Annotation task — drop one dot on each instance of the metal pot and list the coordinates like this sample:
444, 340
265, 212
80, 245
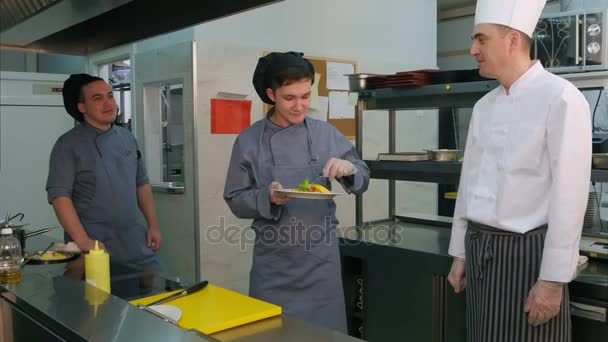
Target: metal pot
21, 234
357, 82
443, 154
600, 160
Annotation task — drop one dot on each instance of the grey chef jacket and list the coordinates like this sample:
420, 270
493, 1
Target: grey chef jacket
296, 257
100, 171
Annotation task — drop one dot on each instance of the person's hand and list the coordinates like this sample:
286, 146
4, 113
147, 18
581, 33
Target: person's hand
86, 245
337, 168
154, 239
543, 302
275, 197
457, 275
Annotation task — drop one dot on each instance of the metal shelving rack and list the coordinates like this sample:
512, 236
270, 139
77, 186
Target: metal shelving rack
441, 96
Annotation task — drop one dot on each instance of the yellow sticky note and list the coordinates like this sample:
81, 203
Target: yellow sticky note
314, 93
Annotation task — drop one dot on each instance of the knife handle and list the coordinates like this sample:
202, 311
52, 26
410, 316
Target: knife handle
196, 287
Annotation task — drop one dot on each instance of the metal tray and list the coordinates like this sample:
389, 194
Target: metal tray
403, 156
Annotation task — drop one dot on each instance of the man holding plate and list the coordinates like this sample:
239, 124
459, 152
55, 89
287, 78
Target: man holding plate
296, 257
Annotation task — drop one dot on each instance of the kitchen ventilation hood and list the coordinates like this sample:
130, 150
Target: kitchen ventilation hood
82, 27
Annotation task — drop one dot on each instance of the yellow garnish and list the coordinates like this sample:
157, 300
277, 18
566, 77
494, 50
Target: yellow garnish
319, 188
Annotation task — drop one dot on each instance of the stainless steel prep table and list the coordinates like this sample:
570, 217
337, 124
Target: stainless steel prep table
52, 302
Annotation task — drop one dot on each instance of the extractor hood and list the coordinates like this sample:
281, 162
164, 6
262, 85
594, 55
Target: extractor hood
82, 27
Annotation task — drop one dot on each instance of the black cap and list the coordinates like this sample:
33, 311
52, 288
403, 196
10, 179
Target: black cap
71, 93
272, 64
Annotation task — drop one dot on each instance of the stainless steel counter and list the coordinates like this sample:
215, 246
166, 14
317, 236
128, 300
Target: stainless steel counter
435, 240
56, 297
403, 235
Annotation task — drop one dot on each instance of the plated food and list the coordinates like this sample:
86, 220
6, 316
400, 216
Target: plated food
307, 190
50, 257
307, 186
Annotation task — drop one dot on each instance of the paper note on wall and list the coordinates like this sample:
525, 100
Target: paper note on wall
314, 93
335, 75
339, 108
320, 113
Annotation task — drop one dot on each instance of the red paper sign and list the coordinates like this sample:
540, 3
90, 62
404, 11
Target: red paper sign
230, 116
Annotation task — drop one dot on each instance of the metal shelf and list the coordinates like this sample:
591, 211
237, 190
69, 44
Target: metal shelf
455, 95
461, 95
434, 172
417, 171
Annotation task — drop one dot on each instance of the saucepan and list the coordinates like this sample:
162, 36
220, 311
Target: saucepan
443, 154
21, 234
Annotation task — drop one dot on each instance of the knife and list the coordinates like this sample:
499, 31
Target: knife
192, 289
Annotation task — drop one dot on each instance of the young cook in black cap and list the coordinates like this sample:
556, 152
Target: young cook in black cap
296, 262
97, 182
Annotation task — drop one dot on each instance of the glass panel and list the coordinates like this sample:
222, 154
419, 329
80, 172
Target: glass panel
598, 104
596, 215
172, 125
554, 41
164, 127
462, 119
118, 75
416, 131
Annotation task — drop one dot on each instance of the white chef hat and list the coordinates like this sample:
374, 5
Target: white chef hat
521, 15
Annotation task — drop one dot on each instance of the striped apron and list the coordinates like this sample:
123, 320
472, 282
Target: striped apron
501, 268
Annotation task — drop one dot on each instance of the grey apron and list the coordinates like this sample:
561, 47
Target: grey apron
296, 260
112, 215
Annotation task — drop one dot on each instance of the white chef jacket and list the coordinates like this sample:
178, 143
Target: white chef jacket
527, 163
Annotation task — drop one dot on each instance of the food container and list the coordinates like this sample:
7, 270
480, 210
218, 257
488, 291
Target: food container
443, 155
600, 160
358, 82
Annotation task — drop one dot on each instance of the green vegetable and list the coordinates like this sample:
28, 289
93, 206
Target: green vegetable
304, 186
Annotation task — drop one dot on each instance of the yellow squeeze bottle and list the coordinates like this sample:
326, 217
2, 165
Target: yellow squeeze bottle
97, 268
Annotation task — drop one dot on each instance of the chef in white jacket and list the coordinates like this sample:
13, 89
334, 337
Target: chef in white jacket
524, 186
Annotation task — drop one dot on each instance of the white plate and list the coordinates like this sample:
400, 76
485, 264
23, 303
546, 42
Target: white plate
292, 193
170, 311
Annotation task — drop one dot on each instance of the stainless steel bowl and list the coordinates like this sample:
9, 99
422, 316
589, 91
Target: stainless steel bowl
600, 160
358, 82
443, 155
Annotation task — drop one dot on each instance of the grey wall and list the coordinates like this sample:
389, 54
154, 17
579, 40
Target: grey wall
12, 60
49, 63
61, 64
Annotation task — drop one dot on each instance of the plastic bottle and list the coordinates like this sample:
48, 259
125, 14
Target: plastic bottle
97, 268
10, 257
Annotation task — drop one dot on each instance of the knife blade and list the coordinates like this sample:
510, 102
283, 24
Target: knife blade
192, 289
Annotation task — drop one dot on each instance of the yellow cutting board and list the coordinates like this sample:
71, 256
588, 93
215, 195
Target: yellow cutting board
214, 309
